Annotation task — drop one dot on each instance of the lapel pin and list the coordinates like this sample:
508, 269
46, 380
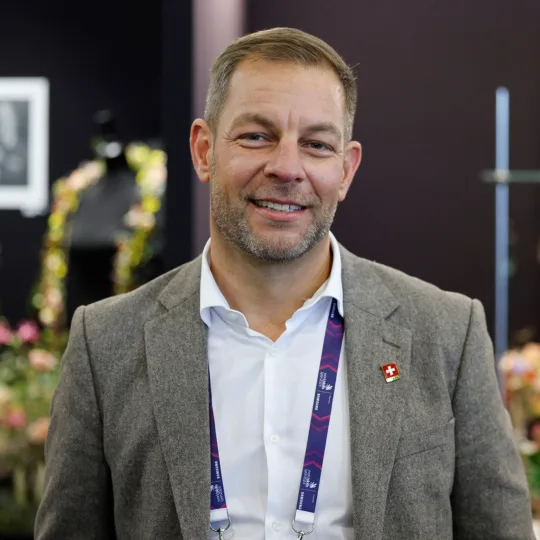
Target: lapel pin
390, 372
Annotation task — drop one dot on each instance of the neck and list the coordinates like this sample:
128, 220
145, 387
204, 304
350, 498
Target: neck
268, 294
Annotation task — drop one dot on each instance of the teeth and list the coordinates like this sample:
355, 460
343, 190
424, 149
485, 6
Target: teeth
280, 207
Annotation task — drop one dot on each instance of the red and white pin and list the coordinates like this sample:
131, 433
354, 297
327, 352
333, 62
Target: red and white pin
390, 372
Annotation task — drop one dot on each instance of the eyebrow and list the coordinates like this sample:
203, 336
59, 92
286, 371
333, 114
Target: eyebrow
256, 118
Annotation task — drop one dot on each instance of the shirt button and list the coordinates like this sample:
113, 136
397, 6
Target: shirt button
274, 439
272, 353
276, 526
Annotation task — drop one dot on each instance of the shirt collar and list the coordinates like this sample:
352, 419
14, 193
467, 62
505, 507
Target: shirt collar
211, 296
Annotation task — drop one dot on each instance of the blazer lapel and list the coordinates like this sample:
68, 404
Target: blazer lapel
372, 339
176, 351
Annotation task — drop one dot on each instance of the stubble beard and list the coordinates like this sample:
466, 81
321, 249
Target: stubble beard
230, 218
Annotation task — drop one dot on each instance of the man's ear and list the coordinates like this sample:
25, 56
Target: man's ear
351, 161
200, 143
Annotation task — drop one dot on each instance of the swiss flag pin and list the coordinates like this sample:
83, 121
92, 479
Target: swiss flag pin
390, 372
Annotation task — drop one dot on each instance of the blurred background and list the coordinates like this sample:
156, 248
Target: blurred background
97, 192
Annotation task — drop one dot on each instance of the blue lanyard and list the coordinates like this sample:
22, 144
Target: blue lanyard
310, 480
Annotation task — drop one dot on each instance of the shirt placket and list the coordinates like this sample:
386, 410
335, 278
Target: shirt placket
275, 527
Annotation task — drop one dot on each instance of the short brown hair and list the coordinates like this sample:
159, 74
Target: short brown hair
278, 45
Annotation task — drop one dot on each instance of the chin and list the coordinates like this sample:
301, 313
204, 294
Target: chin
269, 248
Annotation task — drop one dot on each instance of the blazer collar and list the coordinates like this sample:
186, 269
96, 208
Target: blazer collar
362, 286
183, 285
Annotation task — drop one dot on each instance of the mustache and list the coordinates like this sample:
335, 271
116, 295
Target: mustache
282, 192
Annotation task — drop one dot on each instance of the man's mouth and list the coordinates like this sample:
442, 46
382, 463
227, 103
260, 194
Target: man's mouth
277, 206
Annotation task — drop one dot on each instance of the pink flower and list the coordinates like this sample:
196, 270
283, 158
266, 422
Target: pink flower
37, 431
16, 419
41, 360
28, 332
6, 335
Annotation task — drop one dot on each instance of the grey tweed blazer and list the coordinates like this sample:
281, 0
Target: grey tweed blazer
433, 456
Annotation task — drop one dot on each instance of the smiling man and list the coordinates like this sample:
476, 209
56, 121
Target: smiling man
278, 386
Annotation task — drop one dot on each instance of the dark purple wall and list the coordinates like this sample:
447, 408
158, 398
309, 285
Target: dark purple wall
427, 75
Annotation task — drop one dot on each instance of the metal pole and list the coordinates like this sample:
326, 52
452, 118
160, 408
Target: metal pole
502, 223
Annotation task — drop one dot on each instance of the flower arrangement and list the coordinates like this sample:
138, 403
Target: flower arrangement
520, 370
29, 366
30, 354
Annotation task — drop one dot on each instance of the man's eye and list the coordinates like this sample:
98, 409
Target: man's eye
255, 137
321, 147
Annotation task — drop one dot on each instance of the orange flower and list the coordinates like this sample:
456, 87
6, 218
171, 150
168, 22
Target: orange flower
37, 431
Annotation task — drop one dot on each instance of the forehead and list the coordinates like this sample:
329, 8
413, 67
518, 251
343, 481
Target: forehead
285, 91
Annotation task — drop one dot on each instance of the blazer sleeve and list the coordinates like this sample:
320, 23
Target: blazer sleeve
77, 498
490, 497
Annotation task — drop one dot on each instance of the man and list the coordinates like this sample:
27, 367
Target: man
223, 396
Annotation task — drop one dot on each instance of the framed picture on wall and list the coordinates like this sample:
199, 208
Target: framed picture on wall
24, 144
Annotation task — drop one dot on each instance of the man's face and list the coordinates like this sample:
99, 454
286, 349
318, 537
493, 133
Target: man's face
278, 165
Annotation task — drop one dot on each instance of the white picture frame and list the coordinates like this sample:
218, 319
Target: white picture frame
24, 144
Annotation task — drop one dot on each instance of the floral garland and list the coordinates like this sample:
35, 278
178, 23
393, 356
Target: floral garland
132, 245
49, 298
133, 248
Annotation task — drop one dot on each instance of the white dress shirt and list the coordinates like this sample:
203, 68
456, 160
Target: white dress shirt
262, 393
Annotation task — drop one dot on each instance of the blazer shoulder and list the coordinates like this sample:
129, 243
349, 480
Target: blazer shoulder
430, 312
132, 310
421, 293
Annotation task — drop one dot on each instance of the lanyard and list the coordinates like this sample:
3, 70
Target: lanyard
316, 444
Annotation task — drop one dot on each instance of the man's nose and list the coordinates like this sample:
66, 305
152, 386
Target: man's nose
285, 162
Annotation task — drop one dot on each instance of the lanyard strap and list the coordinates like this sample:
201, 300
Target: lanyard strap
316, 444
320, 419
218, 503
